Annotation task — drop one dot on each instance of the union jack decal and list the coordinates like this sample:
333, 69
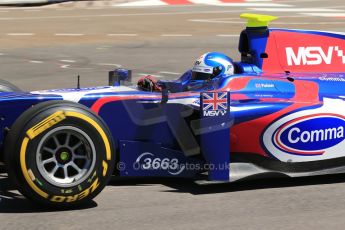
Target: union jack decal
215, 101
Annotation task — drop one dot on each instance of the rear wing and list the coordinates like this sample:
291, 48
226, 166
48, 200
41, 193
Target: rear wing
285, 50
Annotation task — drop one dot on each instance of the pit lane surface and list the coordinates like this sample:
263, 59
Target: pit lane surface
47, 47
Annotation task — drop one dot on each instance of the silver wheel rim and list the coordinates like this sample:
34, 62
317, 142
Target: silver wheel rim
65, 156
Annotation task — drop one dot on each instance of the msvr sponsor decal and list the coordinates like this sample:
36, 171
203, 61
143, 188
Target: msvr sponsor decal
215, 104
313, 55
214, 113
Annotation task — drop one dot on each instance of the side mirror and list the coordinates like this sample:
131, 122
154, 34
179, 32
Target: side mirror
263, 55
118, 77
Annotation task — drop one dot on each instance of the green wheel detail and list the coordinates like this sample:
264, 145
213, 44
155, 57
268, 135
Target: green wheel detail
64, 156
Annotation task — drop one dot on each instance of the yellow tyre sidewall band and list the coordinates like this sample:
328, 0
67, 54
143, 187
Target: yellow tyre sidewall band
67, 114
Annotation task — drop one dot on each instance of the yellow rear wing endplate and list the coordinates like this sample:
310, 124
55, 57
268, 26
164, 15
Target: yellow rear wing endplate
258, 20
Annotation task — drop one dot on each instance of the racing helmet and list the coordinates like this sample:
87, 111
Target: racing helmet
211, 65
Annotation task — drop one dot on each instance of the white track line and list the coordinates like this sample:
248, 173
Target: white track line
109, 64
65, 66
334, 15
149, 74
168, 72
68, 61
20, 34
69, 34
36, 62
296, 9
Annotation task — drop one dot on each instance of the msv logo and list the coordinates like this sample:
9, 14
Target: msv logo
313, 55
310, 135
214, 104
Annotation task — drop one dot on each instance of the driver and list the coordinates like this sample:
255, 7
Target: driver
209, 67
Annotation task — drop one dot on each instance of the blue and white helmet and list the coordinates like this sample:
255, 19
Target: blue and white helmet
211, 65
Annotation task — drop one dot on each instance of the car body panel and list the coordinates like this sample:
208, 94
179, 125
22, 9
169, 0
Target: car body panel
282, 113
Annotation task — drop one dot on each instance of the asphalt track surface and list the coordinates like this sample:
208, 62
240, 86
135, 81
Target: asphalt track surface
48, 47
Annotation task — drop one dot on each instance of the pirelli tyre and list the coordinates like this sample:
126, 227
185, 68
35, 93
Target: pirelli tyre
59, 154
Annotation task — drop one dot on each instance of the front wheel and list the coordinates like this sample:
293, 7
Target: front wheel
59, 154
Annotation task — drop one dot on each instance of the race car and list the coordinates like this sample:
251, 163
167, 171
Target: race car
282, 113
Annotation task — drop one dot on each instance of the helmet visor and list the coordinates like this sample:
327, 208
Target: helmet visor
201, 76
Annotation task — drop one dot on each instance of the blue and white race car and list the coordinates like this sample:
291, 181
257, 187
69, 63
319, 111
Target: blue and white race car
280, 111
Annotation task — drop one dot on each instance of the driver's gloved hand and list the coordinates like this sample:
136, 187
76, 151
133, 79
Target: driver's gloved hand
148, 83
